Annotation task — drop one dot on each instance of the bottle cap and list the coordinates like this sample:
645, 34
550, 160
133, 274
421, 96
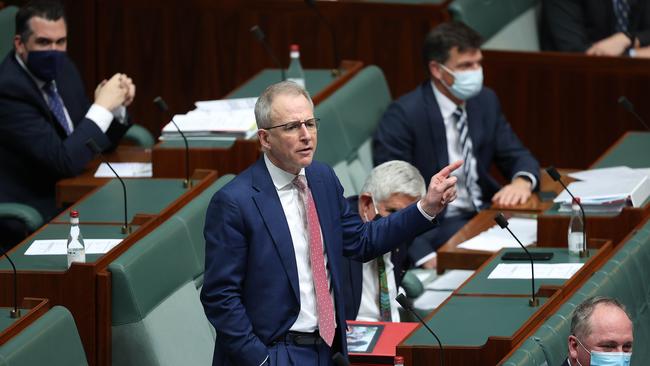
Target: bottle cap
294, 48
74, 214
576, 201
399, 359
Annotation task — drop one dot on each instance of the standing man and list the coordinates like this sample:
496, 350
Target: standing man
450, 117
370, 288
601, 334
274, 238
45, 117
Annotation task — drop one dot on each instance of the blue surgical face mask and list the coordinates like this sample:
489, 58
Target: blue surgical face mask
466, 83
607, 358
45, 64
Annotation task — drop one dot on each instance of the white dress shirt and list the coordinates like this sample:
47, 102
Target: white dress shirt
369, 307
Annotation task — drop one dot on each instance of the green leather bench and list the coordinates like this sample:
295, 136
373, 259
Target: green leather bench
623, 277
157, 317
7, 29
348, 119
50, 340
504, 24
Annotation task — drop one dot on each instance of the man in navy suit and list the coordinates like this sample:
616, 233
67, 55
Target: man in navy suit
601, 334
449, 117
274, 238
45, 117
370, 288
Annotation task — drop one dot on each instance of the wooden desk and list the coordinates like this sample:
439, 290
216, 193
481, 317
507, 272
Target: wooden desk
85, 288
31, 309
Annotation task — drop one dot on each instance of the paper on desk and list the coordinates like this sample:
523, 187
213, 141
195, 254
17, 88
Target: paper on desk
125, 170
449, 281
59, 246
431, 299
605, 173
542, 270
221, 105
495, 238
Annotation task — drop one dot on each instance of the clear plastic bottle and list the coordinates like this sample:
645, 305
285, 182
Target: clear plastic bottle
399, 361
295, 72
76, 247
576, 229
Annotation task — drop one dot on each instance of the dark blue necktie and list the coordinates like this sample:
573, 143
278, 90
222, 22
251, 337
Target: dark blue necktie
622, 11
56, 105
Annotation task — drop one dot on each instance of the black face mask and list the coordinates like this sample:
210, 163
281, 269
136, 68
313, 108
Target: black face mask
377, 217
45, 64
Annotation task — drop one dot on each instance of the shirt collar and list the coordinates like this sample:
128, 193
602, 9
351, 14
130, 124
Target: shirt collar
39, 83
446, 105
281, 179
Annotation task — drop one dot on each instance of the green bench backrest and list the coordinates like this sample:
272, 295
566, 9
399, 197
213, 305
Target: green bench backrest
7, 29
51, 340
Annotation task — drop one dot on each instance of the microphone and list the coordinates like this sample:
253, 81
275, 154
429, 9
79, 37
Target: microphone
337, 59
126, 228
15, 313
261, 37
503, 223
558, 178
404, 302
340, 360
160, 103
623, 101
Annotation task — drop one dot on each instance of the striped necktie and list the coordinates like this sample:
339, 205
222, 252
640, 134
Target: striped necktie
56, 105
460, 116
324, 303
622, 12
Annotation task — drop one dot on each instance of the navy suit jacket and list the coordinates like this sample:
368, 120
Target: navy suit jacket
34, 150
251, 293
413, 130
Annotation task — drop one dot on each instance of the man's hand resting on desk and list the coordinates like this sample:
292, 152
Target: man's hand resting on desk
515, 193
611, 46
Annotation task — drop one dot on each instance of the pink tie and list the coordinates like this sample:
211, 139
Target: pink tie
324, 304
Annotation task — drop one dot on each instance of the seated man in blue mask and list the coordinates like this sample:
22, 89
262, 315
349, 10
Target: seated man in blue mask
45, 116
452, 116
601, 334
370, 288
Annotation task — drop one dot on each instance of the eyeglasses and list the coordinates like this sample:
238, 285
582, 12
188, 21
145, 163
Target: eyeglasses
294, 126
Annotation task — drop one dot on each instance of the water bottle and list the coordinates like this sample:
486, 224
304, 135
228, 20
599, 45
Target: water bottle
576, 229
399, 361
76, 247
295, 72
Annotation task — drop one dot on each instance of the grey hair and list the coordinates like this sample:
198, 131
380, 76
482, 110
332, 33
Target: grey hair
392, 177
264, 104
580, 324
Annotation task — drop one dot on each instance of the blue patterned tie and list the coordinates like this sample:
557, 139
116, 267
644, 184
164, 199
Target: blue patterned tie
56, 105
466, 150
622, 11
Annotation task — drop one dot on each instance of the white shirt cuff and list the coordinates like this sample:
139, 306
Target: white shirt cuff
101, 116
532, 178
426, 215
426, 258
263, 362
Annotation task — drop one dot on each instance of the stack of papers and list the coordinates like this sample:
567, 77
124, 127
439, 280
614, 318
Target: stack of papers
607, 189
125, 170
215, 118
495, 238
542, 270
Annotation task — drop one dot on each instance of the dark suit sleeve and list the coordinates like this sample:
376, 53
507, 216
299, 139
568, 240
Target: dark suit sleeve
26, 131
565, 25
225, 267
393, 139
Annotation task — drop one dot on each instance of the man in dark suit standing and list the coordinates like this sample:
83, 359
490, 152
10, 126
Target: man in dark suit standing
449, 117
45, 116
601, 334
274, 238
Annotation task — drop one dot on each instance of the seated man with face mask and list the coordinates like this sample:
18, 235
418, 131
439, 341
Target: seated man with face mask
370, 288
452, 116
601, 334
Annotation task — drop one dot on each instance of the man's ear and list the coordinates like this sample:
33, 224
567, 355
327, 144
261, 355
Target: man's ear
573, 347
366, 207
263, 136
435, 70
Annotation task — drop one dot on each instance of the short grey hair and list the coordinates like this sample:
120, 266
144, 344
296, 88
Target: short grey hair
580, 324
264, 104
392, 177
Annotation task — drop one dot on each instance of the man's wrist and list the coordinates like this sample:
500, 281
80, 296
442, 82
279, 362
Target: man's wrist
424, 213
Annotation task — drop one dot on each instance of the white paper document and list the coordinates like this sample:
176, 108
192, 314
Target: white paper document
449, 281
431, 299
221, 105
495, 238
606, 173
125, 170
634, 188
60, 246
542, 270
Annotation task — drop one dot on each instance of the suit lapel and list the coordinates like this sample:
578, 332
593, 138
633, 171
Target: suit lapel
268, 203
435, 125
474, 118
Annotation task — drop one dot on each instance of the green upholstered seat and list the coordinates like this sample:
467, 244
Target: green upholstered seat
139, 136
21, 212
503, 24
157, 317
50, 340
7, 29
